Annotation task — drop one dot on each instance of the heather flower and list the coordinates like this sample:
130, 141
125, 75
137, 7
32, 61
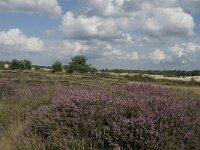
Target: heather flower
125, 116
7, 88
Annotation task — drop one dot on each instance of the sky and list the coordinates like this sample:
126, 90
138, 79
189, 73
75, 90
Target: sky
113, 34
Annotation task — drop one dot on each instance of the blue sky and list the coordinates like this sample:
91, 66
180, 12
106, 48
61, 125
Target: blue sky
126, 34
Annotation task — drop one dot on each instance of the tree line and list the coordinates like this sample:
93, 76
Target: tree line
78, 64
16, 64
170, 73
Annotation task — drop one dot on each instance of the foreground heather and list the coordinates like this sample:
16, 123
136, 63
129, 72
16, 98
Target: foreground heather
125, 117
7, 89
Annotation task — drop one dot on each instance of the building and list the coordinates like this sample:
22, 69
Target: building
6, 66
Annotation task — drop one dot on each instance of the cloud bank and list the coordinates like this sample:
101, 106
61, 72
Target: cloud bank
15, 38
49, 7
158, 33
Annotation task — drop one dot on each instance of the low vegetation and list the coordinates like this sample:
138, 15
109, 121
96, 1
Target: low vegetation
7, 89
127, 117
88, 112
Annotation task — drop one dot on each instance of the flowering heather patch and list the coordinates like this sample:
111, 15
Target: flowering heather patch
127, 116
7, 88
37, 90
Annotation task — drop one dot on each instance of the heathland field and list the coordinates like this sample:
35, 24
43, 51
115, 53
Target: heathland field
41, 110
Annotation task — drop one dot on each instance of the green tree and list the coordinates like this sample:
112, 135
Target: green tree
78, 64
27, 64
1, 64
20, 64
57, 67
16, 64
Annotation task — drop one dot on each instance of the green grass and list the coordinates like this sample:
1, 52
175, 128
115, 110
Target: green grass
3, 114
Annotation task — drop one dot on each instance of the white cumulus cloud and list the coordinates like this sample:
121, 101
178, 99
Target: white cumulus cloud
115, 53
185, 49
104, 7
85, 28
50, 7
166, 21
158, 17
16, 38
158, 56
71, 48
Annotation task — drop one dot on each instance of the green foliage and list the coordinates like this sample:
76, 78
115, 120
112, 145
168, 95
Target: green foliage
21, 64
27, 64
57, 67
78, 64
1, 64
93, 70
79, 60
3, 115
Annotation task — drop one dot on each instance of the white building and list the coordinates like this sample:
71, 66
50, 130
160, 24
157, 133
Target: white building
6, 66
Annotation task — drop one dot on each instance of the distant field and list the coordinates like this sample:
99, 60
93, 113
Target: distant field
188, 78
41, 110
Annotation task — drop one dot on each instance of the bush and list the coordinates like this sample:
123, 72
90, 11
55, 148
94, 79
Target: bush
127, 117
140, 77
105, 75
78, 65
57, 67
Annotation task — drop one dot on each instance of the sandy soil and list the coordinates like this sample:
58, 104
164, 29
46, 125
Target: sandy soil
197, 78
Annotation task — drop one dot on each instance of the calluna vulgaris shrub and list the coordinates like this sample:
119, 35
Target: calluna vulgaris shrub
127, 117
7, 88
37, 90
